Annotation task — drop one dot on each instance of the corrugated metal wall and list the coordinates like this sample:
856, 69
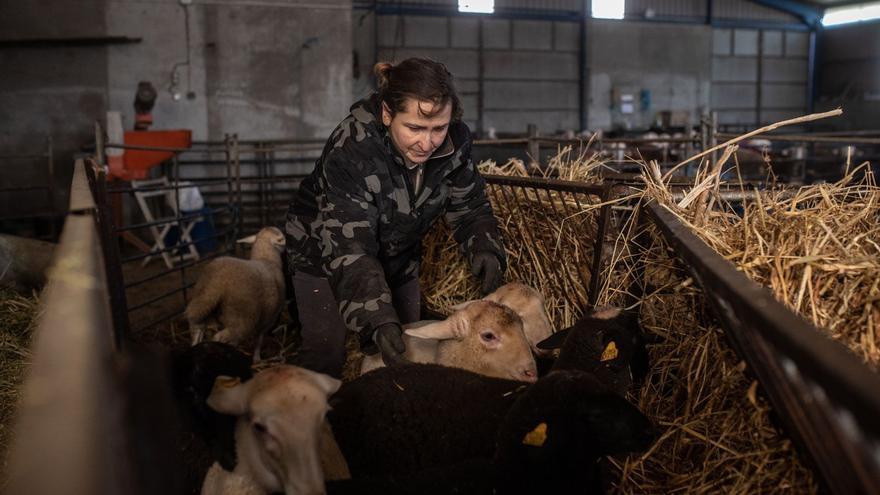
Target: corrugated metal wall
529, 68
759, 76
745, 10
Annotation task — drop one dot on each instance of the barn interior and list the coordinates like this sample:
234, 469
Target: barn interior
708, 165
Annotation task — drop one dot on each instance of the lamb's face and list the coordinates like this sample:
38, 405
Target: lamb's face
528, 303
483, 337
280, 412
274, 236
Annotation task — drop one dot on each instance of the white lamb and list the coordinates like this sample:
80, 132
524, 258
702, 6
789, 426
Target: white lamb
244, 296
481, 336
282, 441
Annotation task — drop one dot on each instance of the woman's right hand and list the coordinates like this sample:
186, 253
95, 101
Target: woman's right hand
389, 338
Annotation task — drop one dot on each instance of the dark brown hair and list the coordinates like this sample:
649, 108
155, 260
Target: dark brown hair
418, 78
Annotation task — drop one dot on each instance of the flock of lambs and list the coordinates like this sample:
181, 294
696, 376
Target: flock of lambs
472, 415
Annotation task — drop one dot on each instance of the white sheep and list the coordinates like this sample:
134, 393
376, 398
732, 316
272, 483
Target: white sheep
282, 441
244, 296
481, 336
528, 303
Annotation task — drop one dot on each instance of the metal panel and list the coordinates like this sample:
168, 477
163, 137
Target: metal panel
70, 430
745, 42
744, 9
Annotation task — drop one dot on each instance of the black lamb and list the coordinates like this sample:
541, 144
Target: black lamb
432, 429
610, 344
193, 373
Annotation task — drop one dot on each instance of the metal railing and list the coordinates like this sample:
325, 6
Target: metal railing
563, 201
269, 173
47, 189
145, 296
827, 400
69, 436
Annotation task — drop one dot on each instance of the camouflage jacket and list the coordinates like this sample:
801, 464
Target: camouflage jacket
356, 222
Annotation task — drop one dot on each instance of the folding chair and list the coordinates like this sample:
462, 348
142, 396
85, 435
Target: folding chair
146, 200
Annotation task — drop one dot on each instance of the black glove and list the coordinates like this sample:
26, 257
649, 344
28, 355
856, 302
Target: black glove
389, 338
487, 268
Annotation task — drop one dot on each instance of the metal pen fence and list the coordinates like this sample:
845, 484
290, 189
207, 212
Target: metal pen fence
47, 189
576, 214
69, 437
269, 173
146, 296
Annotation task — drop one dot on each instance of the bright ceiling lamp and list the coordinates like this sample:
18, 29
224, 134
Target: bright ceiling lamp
477, 6
608, 9
851, 13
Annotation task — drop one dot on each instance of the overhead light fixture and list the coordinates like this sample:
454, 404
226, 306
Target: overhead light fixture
477, 6
608, 9
835, 16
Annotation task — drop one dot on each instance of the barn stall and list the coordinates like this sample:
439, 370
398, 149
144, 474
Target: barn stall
747, 395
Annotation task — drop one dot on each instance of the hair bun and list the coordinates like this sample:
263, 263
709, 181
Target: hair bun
383, 73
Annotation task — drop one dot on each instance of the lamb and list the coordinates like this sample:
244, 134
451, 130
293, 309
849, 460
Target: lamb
528, 303
609, 344
482, 336
280, 433
394, 423
245, 296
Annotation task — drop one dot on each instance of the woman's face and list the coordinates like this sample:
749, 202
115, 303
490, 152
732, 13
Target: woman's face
415, 135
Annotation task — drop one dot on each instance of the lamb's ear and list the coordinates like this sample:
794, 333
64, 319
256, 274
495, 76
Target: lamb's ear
461, 306
554, 341
229, 396
325, 382
247, 240
454, 327
606, 313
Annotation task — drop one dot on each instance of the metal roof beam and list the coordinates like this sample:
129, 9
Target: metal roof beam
810, 14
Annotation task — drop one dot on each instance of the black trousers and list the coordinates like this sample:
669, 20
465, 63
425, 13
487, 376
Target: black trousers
324, 332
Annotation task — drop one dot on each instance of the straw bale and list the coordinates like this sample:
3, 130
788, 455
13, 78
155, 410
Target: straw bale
17, 320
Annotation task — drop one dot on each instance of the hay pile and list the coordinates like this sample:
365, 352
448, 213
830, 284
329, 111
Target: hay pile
17, 322
816, 247
716, 433
549, 238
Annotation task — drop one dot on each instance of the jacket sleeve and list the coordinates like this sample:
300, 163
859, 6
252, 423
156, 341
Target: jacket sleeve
469, 213
347, 224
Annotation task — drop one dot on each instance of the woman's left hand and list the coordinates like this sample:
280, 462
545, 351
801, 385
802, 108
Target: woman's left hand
487, 268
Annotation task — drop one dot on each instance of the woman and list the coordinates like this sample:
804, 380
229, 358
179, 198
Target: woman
388, 171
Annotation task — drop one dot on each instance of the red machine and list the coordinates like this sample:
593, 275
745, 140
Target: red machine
134, 163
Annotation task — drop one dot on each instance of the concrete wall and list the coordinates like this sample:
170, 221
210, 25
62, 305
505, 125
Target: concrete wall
53, 91
672, 63
264, 70
849, 75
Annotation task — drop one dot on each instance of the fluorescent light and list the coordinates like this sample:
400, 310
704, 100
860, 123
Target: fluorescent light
608, 9
477, 6
851, 13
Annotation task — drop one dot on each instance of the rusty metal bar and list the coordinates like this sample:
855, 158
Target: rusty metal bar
806, 138
552, 184
827, 399
601, 232
97, 182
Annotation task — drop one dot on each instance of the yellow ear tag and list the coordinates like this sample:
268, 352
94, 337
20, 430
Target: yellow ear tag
227, 382
536, 437
610, 352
